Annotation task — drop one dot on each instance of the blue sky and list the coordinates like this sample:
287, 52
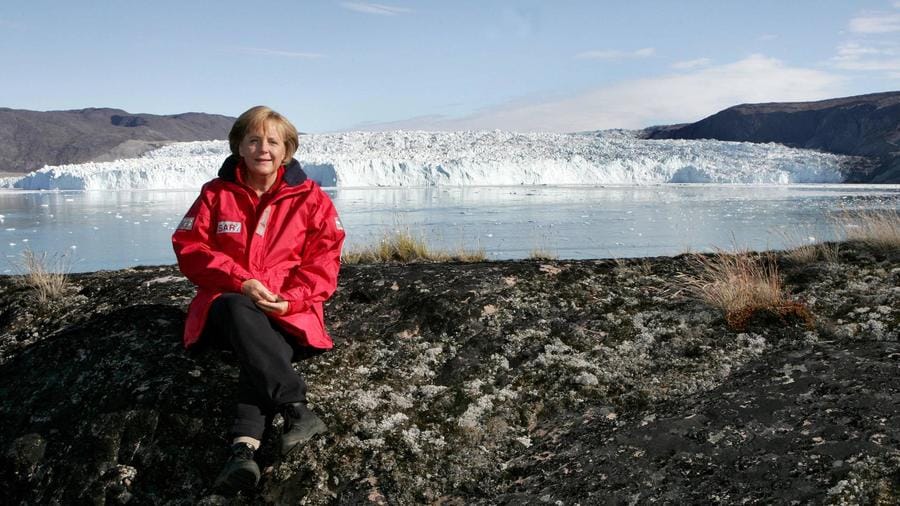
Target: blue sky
527, 65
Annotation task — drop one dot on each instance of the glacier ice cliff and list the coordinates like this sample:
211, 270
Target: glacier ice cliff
400, 158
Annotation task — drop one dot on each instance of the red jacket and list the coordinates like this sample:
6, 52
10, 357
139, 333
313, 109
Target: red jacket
289, 239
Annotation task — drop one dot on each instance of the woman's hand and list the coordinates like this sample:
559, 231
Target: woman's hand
257, 291
262, 297
279, 307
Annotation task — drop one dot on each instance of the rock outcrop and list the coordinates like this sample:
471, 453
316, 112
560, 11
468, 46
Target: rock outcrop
865, 125
31, 139
560, 382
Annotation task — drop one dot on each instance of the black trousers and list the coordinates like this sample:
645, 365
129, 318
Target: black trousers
264, 352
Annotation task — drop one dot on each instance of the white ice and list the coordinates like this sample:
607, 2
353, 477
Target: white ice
399, 158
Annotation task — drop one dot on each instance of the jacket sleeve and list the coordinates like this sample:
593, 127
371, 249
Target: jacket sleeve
198, 260
315, 279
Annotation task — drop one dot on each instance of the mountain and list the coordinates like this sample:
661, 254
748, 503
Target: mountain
31, 139
864, 125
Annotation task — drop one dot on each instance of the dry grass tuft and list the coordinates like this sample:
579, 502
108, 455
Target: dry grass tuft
878, 230
742, 285
48, 276
830, 251
804, 254
402, 246
541, 254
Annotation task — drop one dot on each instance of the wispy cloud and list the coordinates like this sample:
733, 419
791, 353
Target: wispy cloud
615, 54
638, 103
876, 22
871, 50
691, 64
278, 52
372, 8
767, 37
855, 56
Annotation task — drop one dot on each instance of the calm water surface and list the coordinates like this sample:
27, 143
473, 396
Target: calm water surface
111, 230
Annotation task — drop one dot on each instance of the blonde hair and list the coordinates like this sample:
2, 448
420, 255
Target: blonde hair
254, 119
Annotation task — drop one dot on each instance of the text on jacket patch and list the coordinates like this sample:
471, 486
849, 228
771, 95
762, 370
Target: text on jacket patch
229, 227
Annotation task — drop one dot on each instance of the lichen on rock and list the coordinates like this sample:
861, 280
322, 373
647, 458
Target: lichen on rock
498, 382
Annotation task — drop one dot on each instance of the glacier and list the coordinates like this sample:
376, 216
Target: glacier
484, 158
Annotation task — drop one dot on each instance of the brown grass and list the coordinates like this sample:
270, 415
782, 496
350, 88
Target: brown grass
541, 254
48, 276
830, 251
402, 246
878, 230
742, 285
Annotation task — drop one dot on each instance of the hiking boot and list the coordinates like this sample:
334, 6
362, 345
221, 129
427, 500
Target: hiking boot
300, 425
240, 472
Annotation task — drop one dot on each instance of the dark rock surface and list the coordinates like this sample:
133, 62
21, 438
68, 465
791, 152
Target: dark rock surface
563, 382
31, 139
865, 125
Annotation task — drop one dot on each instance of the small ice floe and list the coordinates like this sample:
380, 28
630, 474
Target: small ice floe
24, 240
70, 200
12, 244
45, 205
11, 229
119, 216
96, 228
73, 247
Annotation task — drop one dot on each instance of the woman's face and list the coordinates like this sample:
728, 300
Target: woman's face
262, 150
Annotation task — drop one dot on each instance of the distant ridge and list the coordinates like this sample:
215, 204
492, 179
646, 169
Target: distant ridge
31, 139
864, 125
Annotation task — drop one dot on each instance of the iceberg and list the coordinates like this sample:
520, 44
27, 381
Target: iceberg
484, 158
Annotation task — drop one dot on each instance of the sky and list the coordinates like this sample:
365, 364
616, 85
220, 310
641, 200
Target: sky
523, 65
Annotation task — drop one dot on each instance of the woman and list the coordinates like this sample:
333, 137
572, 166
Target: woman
262, 243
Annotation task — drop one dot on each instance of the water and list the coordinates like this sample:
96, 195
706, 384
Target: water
117, 229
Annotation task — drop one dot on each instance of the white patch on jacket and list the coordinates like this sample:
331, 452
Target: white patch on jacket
229, 227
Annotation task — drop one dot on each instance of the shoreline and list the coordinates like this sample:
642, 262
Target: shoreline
484, 383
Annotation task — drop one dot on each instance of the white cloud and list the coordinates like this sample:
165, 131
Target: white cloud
372, 8
278, 52
615, 54
673, 98
875, 22
854, 56
691, 64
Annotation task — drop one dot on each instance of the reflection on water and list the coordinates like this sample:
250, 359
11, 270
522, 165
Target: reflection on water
110, 230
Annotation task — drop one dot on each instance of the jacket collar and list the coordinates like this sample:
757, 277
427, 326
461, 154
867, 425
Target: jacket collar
293, 173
